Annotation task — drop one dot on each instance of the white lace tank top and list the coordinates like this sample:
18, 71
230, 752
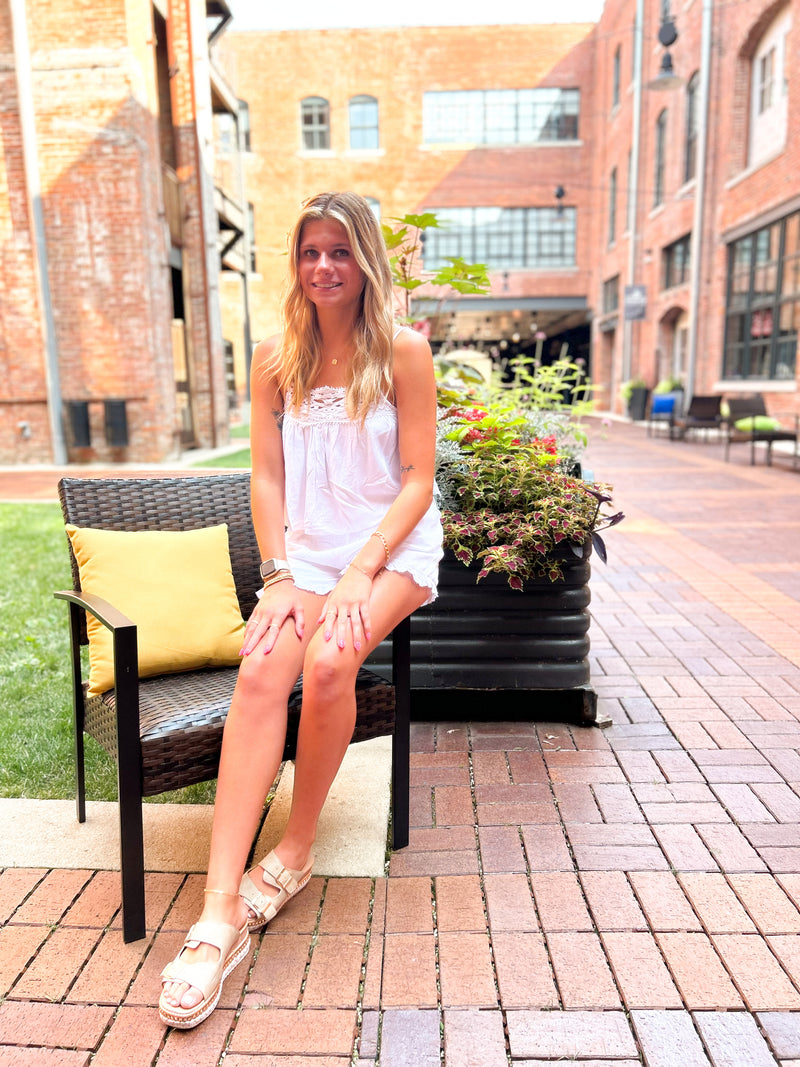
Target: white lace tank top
341, 478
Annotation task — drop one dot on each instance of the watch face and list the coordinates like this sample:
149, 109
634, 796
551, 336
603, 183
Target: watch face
272, 566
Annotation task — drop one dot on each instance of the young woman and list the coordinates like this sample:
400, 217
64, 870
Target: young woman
343, 426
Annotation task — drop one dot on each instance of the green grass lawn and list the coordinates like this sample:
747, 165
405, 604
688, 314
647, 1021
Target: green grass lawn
234, 459
36, 755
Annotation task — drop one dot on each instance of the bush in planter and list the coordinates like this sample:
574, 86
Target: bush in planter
507, 498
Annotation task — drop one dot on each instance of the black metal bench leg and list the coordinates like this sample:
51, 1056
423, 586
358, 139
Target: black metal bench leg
401, 739
129, 777
78, 712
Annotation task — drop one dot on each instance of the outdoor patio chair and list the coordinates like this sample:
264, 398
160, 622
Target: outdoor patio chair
703, 413
747, 421
165, 732
663, 412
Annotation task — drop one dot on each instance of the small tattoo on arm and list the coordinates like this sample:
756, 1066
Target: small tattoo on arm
405, 470
278, 417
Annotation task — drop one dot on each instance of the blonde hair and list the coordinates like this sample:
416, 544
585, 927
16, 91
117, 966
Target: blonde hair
298, 356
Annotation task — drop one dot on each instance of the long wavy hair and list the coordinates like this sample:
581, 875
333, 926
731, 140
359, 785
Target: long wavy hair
298, 356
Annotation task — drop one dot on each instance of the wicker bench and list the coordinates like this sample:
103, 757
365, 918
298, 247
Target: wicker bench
166, 732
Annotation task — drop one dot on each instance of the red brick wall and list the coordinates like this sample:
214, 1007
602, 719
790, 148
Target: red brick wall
95, 100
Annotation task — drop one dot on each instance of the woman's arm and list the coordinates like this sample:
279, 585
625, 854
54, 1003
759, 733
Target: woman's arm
267, 499
415, 399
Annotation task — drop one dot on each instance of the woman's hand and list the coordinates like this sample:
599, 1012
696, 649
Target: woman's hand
347, 608
273, 609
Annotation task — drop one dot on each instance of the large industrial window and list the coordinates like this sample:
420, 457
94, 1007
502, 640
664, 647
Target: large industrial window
500, 116
315, 123
505, 238
763, 303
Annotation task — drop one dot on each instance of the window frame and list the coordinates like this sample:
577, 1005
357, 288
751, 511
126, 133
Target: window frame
501, 116
612, 206
660, 158
319, 129
361, 100
690, 140
751, 353
507, 238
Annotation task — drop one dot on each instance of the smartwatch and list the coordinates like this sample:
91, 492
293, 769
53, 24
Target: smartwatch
272, 566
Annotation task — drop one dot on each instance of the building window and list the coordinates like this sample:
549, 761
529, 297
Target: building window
612, 207
630, 206
244, 124
363, 122
251, 236
374, 206
660, 158
611, 295
616, 76
690, 161
763, 303
676, 260
766, 74
315, 123
768, 95
506, 238
500, 116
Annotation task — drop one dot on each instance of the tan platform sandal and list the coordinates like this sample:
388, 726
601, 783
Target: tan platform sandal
232, 944
286, 882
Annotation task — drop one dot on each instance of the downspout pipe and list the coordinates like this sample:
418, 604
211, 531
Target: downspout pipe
698, 221
27, 122
633, 193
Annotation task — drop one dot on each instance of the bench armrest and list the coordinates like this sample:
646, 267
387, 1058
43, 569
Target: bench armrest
111, 617
126, 654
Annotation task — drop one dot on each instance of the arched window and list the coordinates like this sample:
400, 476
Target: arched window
315, 123
690, 159
768, 90
660, 158
363, 122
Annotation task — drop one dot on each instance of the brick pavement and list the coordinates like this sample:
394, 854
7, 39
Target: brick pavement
611, 897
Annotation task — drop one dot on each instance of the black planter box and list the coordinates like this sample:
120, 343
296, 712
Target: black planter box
487, 636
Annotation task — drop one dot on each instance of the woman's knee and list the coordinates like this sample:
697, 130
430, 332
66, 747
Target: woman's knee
327, 675
260, 688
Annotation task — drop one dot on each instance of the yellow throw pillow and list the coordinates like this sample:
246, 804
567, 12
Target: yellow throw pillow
177, 586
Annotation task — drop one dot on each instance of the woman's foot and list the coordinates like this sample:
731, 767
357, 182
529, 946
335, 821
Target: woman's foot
273, 882
226, 908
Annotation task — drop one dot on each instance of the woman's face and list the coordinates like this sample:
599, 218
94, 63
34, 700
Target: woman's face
327, 269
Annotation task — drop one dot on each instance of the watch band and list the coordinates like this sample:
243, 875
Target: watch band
272, 566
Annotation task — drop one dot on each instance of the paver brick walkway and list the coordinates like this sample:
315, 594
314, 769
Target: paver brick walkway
608, 897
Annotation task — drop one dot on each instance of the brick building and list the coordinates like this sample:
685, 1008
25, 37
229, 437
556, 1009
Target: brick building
116, 220
708, 221
165, 200
554, 159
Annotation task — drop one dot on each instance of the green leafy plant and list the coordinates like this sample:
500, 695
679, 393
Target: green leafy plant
668, 385
626, 388
514, 515
404, 245
508, 498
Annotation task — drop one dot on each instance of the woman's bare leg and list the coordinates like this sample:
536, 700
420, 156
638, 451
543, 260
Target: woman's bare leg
252, 750
328, 713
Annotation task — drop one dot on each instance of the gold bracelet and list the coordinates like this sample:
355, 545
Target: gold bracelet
281, 576
366, 574
383, 541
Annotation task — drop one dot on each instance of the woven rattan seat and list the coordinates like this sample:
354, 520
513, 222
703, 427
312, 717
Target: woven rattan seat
166, 732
